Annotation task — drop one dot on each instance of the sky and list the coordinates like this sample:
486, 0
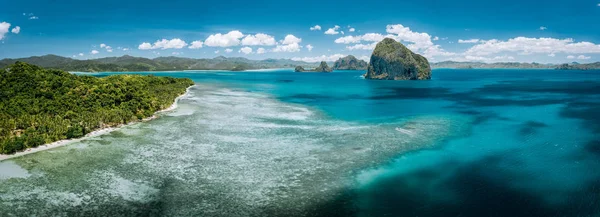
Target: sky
552, 31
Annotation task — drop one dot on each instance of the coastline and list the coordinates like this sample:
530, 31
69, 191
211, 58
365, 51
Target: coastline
94, 133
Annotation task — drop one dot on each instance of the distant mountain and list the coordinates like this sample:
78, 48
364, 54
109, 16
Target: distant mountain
350, 63
130, 63
579, 66
480, 65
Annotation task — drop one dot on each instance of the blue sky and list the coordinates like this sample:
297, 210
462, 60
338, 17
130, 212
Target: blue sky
463, 30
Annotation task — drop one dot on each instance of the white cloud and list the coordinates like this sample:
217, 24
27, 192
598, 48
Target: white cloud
163, 44
33, 18
330, 58
261, 50
351, 30
582, 57
295, 47
16, 30
94, 52
315, 28
552, 55
176, 53
333, 31
342, 32
125, 49
102, 45
259, 39
362, 46
230, 39
4, 27
469, 41
80, 54
418, 42
217, 51
291, 39
309, 47
196, 45
348, 39
525, 46
570, 57
228, 50
365, 58
543, 28
436, 38
245, 50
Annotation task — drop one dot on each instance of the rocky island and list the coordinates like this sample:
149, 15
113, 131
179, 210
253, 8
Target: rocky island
350, 63
323, 67
393, 61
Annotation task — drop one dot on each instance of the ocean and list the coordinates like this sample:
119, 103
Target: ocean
469, 142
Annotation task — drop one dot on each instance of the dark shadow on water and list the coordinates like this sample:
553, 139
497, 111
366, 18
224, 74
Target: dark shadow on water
531, 127
468, 190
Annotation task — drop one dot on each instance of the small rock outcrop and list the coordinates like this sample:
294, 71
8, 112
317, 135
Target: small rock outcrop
323, 67
393, 61
350, 63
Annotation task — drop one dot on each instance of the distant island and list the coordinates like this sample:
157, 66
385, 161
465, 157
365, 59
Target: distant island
41, 106
350, 63
391, 60
513, 65
323, 67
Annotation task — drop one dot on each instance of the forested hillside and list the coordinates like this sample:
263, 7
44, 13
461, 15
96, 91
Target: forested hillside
39, 106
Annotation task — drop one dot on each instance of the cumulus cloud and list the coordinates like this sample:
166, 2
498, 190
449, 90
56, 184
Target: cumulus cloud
196, 45
163, 44
436, 38
525, 45
16, 30
315, 28
416, 41
309, 47
259, 39
261, 50
176, 53
102, 45
4, 27
230, 39
468, 41
33, 18
245, 50
80, 54
351, 30
330, 58
543, 28
291, 39
362, 46
217, 51
228, 50
333, 31
94, 52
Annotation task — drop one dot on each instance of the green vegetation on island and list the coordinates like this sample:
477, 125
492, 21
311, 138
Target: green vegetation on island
349, 63
578, 66
323, 67
40, 105
391, 60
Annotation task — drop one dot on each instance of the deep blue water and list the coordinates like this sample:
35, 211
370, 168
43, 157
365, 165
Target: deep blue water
533, 148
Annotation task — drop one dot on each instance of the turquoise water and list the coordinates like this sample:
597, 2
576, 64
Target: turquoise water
272, 143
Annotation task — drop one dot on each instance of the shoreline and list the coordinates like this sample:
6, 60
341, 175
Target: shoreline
94, 133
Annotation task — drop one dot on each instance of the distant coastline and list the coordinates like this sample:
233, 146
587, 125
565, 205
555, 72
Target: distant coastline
98, 132
128, 63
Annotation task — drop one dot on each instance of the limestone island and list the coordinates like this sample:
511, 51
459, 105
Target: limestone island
393, 61
350, 63
323, 67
